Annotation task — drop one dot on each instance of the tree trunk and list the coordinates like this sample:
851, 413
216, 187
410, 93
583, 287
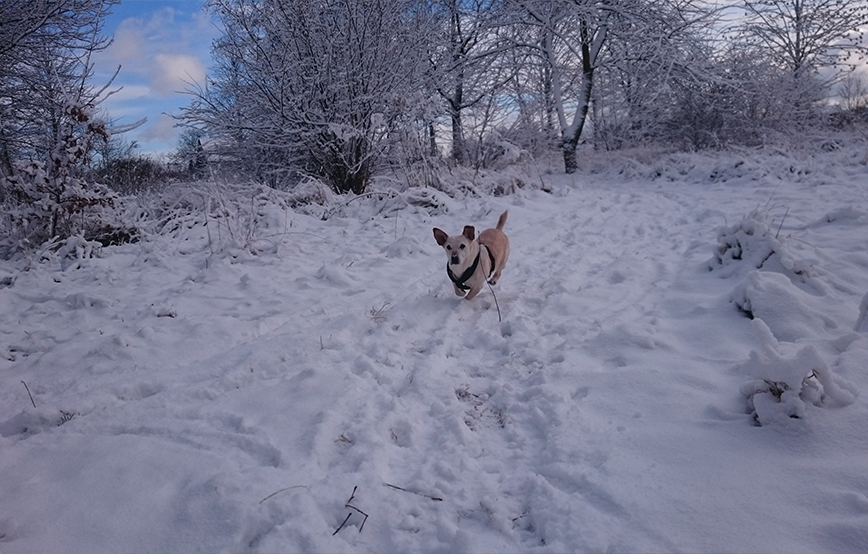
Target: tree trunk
571, 162
457, 125
573, 133
457, 138
432, 141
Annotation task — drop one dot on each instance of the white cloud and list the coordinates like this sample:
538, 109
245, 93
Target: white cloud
175, 71
128, 93
162, 50
159, 52
127, 43
161, 130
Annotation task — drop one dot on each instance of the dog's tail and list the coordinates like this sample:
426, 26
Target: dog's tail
501, 221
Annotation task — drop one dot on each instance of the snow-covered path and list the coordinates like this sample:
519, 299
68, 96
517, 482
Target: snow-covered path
235, 402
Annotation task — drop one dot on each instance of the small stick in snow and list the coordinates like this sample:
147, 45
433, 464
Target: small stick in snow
350, 506
342, 524
782, 222
28, 393
275, 493
434, 498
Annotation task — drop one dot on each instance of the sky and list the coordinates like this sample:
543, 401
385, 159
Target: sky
160, 45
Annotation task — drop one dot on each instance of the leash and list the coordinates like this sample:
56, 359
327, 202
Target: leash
490, 273
499, 319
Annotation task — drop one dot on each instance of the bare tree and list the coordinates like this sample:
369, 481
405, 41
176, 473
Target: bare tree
808, 35
466, 55
853, 93
45, 50
579, 38
50, 125
312, 87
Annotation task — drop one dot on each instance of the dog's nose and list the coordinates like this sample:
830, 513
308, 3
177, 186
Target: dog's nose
454, 260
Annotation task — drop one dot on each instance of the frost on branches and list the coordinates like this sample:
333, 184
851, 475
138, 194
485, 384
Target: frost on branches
53, 200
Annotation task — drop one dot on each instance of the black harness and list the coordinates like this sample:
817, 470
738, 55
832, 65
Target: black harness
460, 281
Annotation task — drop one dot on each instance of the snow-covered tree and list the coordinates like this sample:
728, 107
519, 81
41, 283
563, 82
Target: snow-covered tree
50, 125
190, 155
576, 39
310, 87
808, 35
45, 49
655, 61
467, 54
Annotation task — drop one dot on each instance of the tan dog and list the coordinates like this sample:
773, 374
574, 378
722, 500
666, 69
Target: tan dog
471, 262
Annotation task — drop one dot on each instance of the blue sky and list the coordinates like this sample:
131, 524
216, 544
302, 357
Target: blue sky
159, 44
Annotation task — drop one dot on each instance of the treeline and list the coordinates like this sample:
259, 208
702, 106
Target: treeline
339, 90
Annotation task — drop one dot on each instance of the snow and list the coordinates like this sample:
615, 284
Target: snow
681, 366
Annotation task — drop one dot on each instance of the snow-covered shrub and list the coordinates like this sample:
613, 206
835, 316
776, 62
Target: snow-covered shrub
495, 152
309, 192
790, 312
241, 219
463, 181
781, 386
54, 200
753, 244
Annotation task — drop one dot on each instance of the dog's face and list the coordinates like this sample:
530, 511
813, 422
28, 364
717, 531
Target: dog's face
458, 247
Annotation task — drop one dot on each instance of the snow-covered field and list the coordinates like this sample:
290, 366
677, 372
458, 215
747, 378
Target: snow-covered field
681, 366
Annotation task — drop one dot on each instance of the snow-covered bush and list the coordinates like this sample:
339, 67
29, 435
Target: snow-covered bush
781, 386
54, 199
787, 299
753, 244
240, 219
332, 80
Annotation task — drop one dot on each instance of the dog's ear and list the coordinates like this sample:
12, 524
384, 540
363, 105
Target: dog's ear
469, 232
440, 236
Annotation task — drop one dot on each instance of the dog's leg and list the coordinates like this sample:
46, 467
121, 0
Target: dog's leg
458, 292
496, 277
473, 292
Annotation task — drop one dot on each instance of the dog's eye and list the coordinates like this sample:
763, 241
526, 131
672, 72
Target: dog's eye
461, 247
448, 248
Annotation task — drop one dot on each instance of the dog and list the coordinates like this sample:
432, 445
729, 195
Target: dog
470, 262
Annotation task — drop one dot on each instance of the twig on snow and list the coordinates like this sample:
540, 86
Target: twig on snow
782, 222
434, 498
350, 506
275, 493
342, 524
28, 393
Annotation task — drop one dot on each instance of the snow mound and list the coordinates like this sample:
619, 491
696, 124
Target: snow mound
781, 385
862, 321
32, 421
790, 313
791, 302
847, 214
752, 244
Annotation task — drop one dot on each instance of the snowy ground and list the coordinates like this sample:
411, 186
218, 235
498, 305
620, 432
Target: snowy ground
191, 396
